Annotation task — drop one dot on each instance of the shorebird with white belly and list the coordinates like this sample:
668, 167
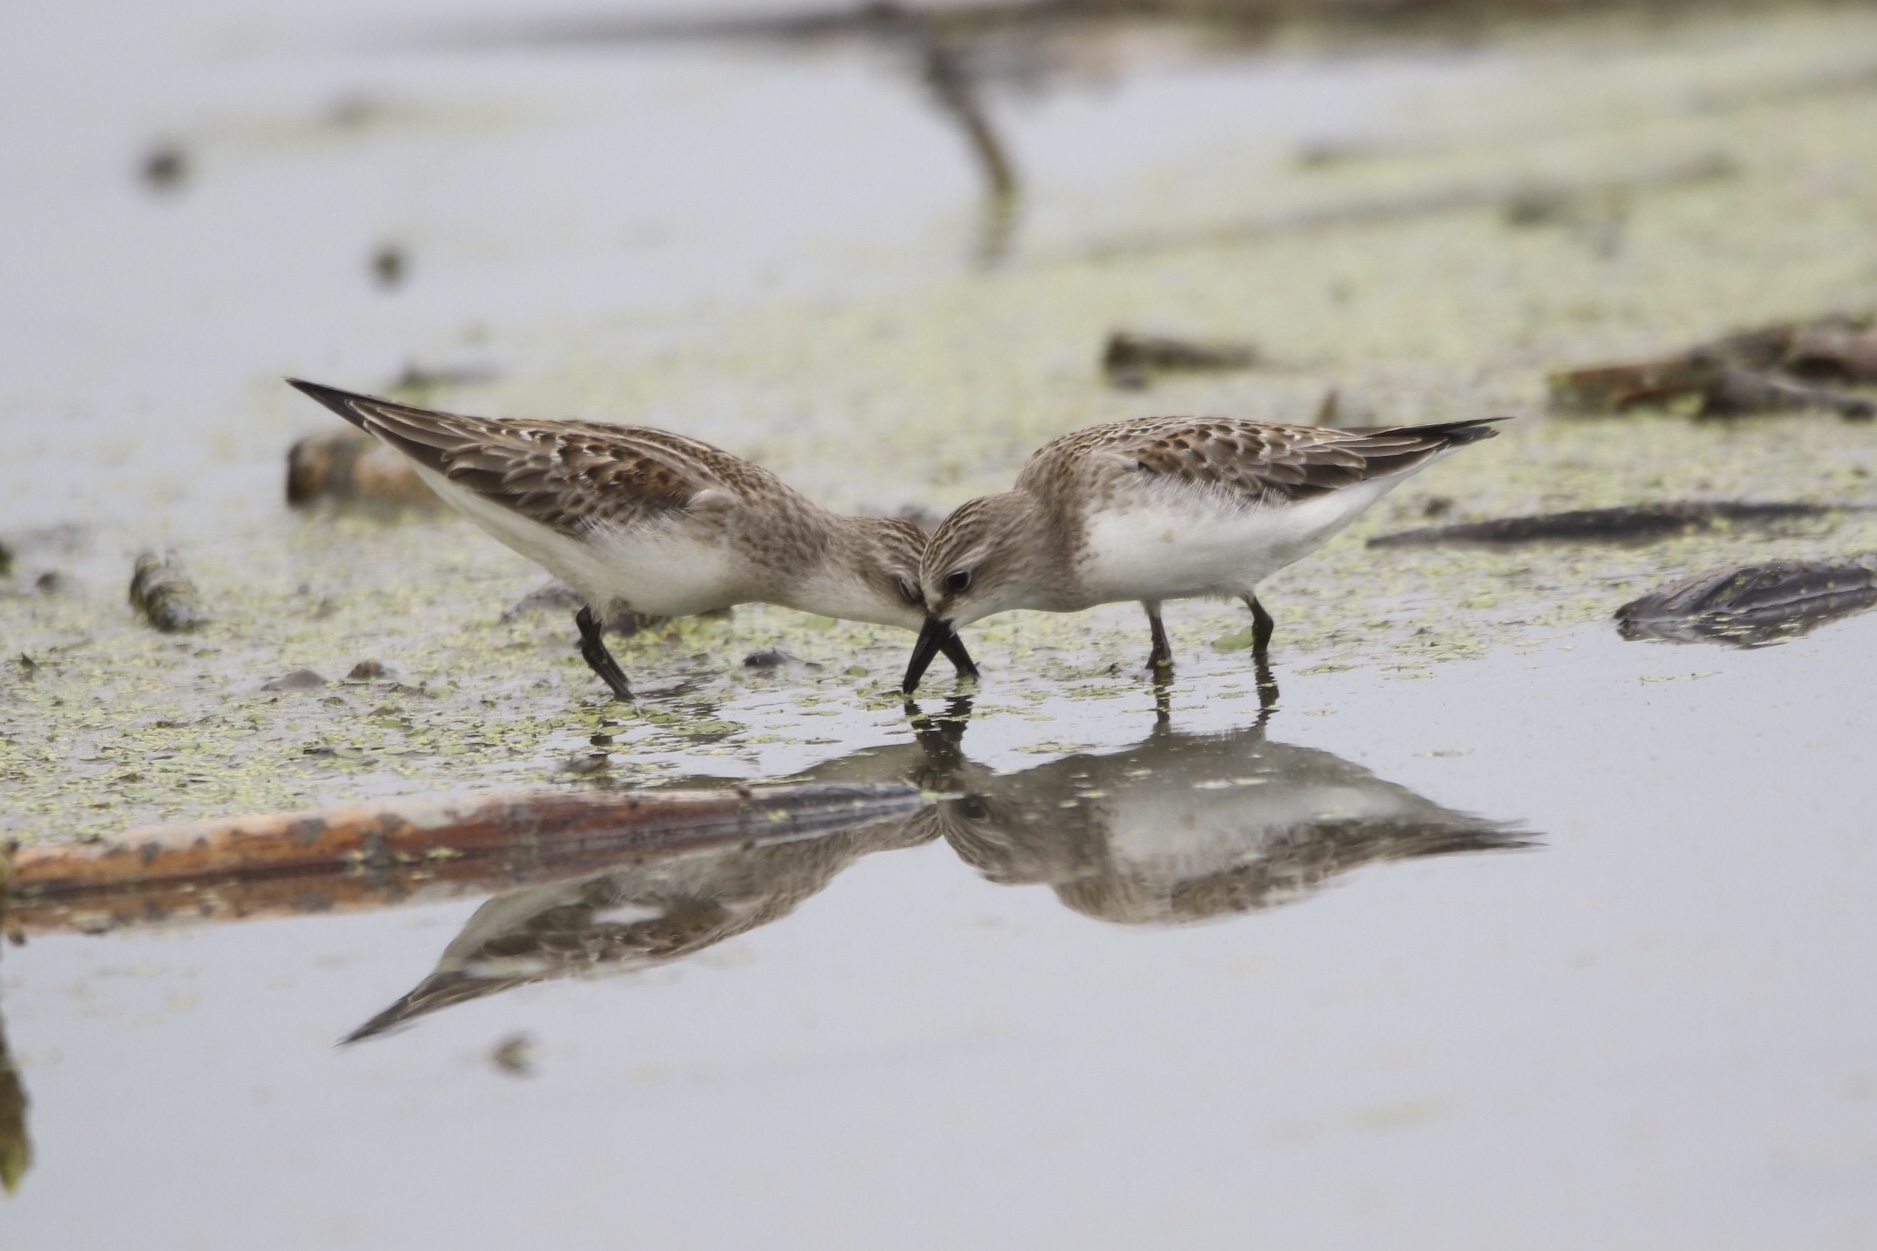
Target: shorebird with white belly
653, 522
1163, 508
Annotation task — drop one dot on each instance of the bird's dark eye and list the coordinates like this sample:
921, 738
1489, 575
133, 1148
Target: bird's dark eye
974, 809
958, 579
909, 591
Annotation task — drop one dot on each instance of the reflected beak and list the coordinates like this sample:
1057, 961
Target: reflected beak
936, 636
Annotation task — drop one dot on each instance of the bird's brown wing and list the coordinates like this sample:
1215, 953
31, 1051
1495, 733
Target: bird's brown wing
568, 475
1259, 462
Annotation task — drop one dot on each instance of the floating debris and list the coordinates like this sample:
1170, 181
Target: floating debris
165, 167
389, 265
352, 468
1753, 605
298, 680
1773, 368
514, 1055
1630, 523
163, 593
1130, 359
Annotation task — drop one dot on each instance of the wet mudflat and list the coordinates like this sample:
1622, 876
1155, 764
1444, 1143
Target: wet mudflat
1501, 929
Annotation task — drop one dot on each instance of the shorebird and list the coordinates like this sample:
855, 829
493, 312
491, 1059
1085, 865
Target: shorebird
1163, 508
653, 522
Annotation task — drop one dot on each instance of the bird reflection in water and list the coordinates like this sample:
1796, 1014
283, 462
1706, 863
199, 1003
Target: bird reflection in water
1181, 827
1177, 828
633, 917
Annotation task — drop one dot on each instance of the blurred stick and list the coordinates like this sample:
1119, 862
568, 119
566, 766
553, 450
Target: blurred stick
949, 76
956, 90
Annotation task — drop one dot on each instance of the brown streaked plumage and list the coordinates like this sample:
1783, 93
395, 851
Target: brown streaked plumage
650, 521
1163, 508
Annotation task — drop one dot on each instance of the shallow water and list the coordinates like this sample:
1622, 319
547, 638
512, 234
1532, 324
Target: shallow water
1651, 1004
1499, 930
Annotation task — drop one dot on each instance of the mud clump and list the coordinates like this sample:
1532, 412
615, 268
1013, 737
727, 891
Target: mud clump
1753, 605
163, 593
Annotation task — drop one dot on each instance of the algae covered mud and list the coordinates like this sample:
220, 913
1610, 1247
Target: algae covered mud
1516, 931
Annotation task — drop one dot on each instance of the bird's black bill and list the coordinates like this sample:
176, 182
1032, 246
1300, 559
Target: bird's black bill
937, 636
954, 649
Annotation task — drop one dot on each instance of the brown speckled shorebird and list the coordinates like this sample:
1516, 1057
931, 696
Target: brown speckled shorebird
1163, 508
652, 522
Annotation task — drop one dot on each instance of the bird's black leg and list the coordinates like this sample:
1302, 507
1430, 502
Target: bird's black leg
1160, 660
593, 651
1261, 627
